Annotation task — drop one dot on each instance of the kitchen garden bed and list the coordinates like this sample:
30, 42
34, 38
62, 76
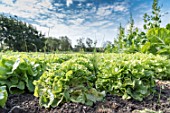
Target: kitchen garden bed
159, 102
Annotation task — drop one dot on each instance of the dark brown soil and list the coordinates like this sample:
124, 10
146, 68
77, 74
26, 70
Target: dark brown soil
27, 103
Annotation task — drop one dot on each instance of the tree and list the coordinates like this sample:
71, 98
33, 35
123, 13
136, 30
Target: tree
89, 42
90, 45
52, 44
153, 20
19, 36
80, 45
65, 43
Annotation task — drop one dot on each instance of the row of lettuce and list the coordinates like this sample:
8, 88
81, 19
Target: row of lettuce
80, 78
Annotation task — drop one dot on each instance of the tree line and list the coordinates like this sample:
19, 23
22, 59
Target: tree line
19, 36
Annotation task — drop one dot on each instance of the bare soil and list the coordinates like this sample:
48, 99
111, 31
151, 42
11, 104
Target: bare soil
160, 101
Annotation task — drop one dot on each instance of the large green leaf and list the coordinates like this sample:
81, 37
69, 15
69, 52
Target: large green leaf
159, 39
15, 65
3, 96
46, 101
18, 88
145, 47
3, 72
23, 66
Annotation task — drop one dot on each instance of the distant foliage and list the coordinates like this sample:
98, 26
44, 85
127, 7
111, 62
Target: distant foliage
51, 44
65, 43
19, 36
130, 42
153, 20
87, 45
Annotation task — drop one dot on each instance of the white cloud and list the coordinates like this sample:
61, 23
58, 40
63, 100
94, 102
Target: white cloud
104, 11
96, 23
69, 2
119, 8
89, 4
9, 2
80, 0
26, 8
58, 4
59, 15
77, 21
108, 25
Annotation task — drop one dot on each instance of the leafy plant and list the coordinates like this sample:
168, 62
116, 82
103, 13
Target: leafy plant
130, 42
153, 20
130, 75
158, 41
19, 73
72, 80
3, 96
81, 78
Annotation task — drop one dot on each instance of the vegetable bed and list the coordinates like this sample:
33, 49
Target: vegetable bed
27, 103
84, 83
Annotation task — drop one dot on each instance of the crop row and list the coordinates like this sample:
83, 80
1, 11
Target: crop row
81, 78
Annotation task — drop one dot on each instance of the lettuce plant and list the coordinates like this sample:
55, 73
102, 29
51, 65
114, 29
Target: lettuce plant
130, 75
3, 96
70, 81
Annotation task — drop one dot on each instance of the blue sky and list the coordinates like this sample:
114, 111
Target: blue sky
96, 19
